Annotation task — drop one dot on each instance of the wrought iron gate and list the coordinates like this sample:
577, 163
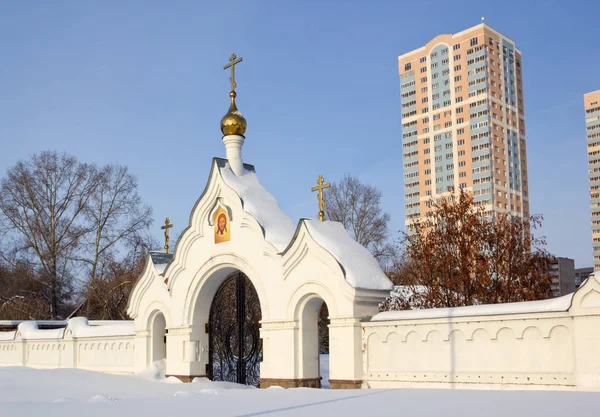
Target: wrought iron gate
235, 347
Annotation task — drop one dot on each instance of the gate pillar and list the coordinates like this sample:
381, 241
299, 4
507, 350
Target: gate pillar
186, 355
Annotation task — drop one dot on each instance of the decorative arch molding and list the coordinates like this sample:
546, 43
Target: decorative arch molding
433, 334
559, 328
530, 332
591, 299
586, 297
305, 293
294, 254
413, 335
195, 229
149, 275
455, 335
152, 311
386, 339
303, 244
226, 263
216, 194
503, 331
219, 203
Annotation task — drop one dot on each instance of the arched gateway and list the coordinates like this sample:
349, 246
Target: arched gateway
235, 348
241, 293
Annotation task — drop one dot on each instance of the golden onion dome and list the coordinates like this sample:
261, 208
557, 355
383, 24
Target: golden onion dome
233, 123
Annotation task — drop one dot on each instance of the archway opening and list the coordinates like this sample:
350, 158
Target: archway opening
159, 337
323, 327
314, 334
235, 347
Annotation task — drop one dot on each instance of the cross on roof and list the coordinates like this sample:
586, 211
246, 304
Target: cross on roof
232, 62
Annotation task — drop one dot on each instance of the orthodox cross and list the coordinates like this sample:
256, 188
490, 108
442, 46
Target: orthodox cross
166, 228
232, 62
320, 187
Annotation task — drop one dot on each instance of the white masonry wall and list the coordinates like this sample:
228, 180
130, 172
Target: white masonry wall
535, 345
551, 344
106, 348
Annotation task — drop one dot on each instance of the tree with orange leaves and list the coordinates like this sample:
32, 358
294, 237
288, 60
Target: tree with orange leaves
458, 256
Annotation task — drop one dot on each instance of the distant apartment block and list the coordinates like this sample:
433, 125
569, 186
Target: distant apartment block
562, 271
581, 274
463, 122
592, 126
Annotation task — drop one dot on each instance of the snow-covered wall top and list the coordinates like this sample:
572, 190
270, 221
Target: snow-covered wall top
8, 335
542, 306
257, 201
360, 267
30, 330
78, 328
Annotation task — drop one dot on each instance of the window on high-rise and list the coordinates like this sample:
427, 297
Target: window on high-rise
407, 67
473, 41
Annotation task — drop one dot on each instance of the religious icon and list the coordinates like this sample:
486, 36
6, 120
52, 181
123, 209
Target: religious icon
222, 231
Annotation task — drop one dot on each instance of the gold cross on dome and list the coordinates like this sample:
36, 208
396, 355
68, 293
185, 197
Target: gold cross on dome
232, 61
166, 228
320, 187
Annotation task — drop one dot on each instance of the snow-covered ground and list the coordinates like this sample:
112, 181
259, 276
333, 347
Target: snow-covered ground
70, 392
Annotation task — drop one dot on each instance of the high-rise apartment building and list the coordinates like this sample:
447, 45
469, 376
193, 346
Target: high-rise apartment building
562, 272
581, 274
592, 124
463, 122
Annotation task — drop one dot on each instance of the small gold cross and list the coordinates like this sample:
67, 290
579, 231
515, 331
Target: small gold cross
232, 62
320, 187
166, 228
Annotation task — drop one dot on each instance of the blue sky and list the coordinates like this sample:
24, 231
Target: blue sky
141, 84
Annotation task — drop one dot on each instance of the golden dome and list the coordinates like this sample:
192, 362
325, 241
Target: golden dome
233, 123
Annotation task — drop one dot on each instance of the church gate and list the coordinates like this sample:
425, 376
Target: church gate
235, 348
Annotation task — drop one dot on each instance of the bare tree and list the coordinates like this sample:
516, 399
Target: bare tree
21, 293
43, 200
358, 207
115, 214
107, 298
70, 221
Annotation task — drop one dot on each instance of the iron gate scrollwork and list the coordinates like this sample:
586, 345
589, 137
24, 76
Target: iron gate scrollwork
235, 348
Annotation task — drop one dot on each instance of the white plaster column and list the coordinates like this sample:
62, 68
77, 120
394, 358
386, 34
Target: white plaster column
280, 352
142, 343
345, 353
184, 354
233, 152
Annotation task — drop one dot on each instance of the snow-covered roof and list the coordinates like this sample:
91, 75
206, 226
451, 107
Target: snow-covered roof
360, 267
278, 227
541, 306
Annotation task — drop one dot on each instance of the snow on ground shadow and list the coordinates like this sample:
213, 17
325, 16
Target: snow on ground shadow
73, 392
